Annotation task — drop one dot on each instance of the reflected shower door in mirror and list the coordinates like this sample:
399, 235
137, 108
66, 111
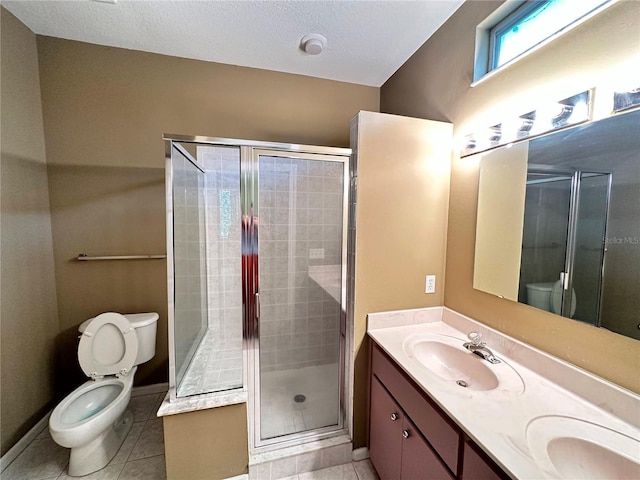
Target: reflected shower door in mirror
565, 218
558, 223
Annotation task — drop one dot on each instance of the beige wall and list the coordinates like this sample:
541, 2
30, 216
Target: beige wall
207, 444
107, 106
434, 83
28, 312
403, 191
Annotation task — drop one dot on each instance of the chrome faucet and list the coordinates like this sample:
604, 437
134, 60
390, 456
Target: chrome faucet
477, 346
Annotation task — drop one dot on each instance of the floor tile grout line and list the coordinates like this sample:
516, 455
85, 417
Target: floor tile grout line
140, 459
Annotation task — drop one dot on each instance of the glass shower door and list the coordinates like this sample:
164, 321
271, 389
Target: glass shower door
301, 205
587, 262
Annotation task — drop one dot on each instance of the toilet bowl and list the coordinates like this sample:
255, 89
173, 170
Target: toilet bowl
548, 296
539, 295
93, 420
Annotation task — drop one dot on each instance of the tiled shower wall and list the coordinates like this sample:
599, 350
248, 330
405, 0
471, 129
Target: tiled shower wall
222, 185
300, 210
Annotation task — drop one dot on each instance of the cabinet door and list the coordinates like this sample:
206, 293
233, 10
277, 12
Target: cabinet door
443, 436
418, 460
477, 466
385, 433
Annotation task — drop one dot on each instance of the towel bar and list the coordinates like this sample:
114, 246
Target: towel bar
84, 257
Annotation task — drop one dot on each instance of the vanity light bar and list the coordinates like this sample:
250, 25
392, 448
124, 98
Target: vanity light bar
548, 118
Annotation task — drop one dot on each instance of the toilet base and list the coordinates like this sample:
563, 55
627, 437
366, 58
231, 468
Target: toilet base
98, 453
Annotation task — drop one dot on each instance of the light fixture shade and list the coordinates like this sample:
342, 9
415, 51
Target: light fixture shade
623, 100
547, 118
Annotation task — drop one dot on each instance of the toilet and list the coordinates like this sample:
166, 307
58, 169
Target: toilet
548, 296
539, 295
93, 420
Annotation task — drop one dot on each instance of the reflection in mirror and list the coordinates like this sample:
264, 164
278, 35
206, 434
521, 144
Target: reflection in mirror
558, 224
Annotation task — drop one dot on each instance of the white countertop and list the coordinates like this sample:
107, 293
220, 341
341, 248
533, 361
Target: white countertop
540, 399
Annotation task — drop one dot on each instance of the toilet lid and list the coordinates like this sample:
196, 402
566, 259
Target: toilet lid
556, 299
108, 346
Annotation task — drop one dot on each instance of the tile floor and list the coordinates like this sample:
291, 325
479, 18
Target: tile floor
141, 456
362, 470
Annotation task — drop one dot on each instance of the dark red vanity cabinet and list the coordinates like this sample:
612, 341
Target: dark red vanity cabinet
411, 438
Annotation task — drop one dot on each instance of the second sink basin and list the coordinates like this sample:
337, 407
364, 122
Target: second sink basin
572, 448
445, 358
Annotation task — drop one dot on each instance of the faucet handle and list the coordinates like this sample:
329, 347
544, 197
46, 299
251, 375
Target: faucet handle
475, 338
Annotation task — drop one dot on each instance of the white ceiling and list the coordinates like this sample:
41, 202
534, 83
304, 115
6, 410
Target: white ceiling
367, 39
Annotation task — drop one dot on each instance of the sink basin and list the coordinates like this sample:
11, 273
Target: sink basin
568, 447
445, 358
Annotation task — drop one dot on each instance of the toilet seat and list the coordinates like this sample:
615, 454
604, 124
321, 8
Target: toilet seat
108, 346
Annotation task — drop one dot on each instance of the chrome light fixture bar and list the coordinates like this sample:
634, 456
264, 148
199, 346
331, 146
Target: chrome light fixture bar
548, 118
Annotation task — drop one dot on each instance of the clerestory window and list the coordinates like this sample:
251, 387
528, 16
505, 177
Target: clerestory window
520, 27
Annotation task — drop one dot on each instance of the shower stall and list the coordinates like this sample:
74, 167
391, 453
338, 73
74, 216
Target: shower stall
257, 250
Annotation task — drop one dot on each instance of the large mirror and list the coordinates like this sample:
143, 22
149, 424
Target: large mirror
558, 224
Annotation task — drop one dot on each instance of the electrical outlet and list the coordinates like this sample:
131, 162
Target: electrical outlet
316, 253
430, 286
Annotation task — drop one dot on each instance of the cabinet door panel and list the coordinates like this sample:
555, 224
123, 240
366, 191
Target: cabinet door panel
418, 460
477, 466
440, 432
385, 434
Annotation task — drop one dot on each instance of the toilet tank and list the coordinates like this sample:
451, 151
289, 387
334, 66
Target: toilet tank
146, 326
539, 295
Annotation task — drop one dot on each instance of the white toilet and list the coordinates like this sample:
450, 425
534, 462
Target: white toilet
93, 420
548, 296
539, 295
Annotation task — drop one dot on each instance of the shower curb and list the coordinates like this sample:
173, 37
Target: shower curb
298, 459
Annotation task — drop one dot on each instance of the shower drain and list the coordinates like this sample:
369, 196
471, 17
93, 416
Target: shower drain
299, 398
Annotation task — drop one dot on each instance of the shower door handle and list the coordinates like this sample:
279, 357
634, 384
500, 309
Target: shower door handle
257, 301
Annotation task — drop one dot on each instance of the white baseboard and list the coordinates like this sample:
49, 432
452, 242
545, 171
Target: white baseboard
31, 435
361, 453
24, 442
